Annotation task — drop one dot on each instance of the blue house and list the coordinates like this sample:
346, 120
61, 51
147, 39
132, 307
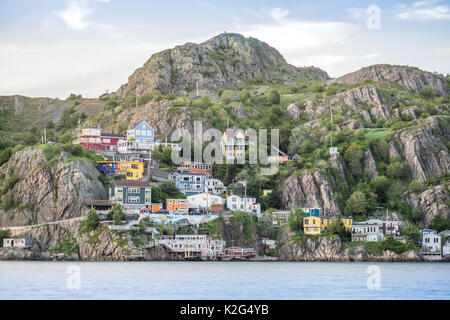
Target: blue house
141, 131
189, 183
107, 167
312, 212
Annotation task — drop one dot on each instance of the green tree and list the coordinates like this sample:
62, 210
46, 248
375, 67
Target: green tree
4, 234
428, 92
336, 226
397, 170
416, 187
356, 204
117, 214
227, 96
92, 221
411, 232
440, 223
244, 95
49, 124
353, 155
380, 187
273, 96
296, 220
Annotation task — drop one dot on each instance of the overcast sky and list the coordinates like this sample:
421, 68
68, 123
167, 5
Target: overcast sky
55, 47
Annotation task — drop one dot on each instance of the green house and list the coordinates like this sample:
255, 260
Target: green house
129, 193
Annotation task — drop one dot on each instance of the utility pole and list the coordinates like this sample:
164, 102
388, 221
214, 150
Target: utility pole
136, 97
197, 89
332, 126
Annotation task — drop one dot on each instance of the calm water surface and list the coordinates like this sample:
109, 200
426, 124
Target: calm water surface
222, 280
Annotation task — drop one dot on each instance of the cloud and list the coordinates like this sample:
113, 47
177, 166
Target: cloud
287, 34
75, 14
424, 10
293, 37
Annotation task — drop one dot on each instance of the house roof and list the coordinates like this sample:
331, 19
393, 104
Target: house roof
132, 183
113, 135
232, 132
134, 126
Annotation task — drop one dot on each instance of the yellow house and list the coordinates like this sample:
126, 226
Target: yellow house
316, 225
312, 225
133, 170
234, 142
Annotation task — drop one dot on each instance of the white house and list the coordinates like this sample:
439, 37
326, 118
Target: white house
204, 201
24, 242
390, 227
431, 241
364, 231
140, 138
446, 245
240, 203
214, 186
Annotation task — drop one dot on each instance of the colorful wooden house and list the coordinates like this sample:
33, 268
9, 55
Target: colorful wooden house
315, 224
131, 194
189, 183
140, 138
179, 206
195, 167
95, 139
132, 170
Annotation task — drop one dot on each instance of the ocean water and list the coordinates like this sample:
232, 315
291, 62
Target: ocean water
223, 280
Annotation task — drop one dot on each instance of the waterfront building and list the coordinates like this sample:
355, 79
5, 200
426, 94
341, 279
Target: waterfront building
239, 252
19, 242
430, 241
364, 231
446, 243
389, 228
313, 223
247, 204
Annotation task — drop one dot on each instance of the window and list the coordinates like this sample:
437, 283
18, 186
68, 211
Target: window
134, 190
138, 132
133, 199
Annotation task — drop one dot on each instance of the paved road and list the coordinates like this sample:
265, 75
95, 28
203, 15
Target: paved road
42, 224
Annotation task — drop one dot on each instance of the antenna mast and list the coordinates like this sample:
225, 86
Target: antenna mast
332, 126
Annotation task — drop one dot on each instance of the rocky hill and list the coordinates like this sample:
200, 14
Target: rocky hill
408, 77
225, 61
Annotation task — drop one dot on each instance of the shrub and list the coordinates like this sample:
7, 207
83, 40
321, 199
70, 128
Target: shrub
244, 95
4, 234
273, 96
416, 187
397, 170
92, 221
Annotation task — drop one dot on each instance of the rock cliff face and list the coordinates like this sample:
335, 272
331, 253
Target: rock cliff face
424, 149
431, 202
47, 192
235, 235
309, 190
224, 61
408, 77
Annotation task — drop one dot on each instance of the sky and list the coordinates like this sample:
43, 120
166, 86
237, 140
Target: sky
51, 48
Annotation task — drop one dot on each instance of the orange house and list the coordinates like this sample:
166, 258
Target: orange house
156, 207
179, 206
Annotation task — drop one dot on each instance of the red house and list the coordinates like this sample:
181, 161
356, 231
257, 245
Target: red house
94, 139
195, 167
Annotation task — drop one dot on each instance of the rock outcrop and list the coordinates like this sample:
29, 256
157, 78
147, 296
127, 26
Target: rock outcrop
224, 61
424, 148
46, 192
309, 190
432, 202
408, 77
